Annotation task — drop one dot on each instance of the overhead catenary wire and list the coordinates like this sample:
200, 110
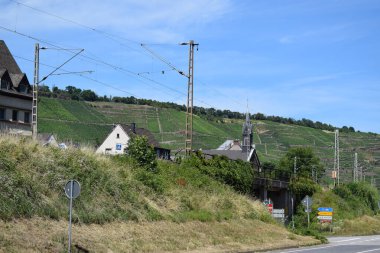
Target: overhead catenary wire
101, 32
115, 38
117, 68
112, 66
44, 78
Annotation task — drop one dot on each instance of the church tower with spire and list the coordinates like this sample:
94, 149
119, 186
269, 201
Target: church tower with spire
247, 141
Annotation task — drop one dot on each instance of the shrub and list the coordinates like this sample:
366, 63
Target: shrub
237, 174
140, 150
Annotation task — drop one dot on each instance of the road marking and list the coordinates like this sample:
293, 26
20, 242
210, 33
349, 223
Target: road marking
346, 240
367, 250
332, 246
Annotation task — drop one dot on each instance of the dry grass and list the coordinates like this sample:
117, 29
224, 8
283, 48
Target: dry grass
43, 235
365, 225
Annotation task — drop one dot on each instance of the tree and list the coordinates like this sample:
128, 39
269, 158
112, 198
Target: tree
143, 153
307, 164
74, 92
88, 95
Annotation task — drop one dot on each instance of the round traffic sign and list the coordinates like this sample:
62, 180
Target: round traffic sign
72, 189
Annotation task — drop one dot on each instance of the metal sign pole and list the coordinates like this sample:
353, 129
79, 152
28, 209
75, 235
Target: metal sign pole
308, 212
293, 212
71, 207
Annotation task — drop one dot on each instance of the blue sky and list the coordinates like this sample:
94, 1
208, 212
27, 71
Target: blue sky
315, 59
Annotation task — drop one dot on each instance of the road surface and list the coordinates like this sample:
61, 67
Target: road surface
353, 244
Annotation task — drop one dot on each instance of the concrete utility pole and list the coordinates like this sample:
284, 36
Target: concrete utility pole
37, 81
356, 170
190, 94
336, 158
35, 90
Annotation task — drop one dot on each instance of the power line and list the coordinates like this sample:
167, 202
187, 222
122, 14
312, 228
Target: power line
114, 67
104, 33
159, 57
110, 36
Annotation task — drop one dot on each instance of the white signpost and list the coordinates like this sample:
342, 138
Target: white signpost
279, 214
72, 191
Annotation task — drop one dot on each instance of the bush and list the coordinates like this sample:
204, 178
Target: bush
360, 192
144, 154
237, 174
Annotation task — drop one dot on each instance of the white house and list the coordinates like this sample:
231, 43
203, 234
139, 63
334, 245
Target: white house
116, 142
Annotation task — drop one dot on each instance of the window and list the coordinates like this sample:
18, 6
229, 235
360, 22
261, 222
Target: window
117, 136
26, 117
2, 113
4, 84
22, 88
14, 115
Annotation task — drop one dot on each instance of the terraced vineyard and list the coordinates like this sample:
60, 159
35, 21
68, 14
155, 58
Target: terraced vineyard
91, 122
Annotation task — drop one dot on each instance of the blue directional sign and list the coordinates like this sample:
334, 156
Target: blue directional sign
325, 209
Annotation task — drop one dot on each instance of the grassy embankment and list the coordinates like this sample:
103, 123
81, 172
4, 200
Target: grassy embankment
355, 212
122, 208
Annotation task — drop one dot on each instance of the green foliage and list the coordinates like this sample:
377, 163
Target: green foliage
360, 192
144, 154
237, 174
302, 186
306, 162
153, 181
112, 188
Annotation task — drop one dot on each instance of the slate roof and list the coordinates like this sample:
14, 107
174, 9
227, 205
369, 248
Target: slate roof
7, 61
8, 64
231, 154
141, 132
2, 71
16, 79
236, 155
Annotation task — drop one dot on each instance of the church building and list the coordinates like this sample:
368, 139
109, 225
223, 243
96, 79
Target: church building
236, 149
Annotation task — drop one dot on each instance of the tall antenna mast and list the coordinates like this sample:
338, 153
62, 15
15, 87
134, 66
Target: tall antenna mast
190, 94
35, 90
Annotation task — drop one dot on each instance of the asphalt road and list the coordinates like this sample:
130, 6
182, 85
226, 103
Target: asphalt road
353, 244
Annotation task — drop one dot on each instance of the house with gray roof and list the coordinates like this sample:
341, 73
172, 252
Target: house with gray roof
117, 142
15, 96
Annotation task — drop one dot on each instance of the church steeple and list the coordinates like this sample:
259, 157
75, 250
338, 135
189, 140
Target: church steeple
247, 133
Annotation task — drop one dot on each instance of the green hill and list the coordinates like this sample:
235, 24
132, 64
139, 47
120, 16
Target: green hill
90, 122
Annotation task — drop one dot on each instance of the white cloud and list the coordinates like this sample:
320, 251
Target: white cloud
330, 33
137, 19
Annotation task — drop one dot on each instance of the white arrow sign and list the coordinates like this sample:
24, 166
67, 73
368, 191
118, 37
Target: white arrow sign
324, 217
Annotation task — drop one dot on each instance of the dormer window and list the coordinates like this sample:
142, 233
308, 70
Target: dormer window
5, 84
22, 88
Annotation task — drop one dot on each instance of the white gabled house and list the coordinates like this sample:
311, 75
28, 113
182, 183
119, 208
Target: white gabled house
116, 142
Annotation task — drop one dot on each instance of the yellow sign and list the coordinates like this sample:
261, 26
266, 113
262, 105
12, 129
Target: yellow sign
325, 213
